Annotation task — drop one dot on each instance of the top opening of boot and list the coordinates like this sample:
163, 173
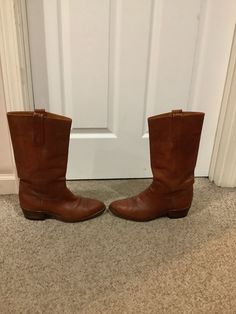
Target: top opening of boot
31, 113
169, 114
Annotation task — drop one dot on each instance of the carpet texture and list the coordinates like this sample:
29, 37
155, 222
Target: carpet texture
110, 265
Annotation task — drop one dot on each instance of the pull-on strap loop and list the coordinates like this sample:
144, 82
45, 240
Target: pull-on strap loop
176, 124
38, 126
177, 112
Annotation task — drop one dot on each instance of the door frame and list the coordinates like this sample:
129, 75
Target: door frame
15, 74
14, 54
223, 169
15, 60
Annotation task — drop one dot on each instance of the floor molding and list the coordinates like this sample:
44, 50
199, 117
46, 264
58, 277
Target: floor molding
8, 184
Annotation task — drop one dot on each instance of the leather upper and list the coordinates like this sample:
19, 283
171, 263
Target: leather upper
174, 141
40, 143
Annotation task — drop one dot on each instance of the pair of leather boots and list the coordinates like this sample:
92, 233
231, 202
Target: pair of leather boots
40, 142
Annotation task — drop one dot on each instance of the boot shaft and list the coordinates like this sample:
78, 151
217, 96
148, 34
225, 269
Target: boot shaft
174, 142
40, 142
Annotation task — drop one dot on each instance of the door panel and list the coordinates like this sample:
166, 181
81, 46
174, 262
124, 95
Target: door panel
112, 63
173, 38
89, 50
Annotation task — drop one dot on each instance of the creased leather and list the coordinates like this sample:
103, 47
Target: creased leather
174, 141
40, 142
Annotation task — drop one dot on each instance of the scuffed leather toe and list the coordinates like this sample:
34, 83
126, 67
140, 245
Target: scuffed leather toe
132, 208
123, 208
90, 208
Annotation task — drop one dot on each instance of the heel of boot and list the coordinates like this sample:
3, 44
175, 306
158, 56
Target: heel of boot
174, 214
34, 215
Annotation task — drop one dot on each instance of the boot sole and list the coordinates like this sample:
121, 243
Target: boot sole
172, 214
38, 215
175, 214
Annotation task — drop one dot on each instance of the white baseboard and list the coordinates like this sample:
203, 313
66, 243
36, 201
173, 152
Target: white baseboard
8, 184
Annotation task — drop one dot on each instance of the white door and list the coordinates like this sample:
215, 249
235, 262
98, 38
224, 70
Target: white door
109, 64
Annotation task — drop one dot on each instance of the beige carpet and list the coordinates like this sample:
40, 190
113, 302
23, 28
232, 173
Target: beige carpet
110, 265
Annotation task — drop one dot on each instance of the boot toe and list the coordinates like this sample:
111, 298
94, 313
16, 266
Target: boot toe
97, 206
121, 208
92, 207
131, 209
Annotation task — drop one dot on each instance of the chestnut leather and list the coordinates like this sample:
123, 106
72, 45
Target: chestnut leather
40, 142
174, 141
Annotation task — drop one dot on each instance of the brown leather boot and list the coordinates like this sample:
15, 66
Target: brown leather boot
40, 142
174, 141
